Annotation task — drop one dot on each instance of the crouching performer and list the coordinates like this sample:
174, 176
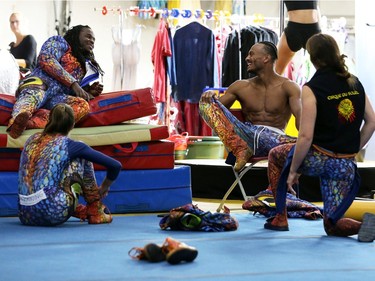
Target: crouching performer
337, 123
55, 170
267, 100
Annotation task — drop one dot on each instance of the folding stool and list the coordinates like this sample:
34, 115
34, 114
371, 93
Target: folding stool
231, 160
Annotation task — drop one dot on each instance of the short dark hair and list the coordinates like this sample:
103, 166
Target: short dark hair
271, 49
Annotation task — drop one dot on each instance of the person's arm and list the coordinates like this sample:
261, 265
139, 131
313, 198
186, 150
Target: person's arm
81, 150
369, 123
49, 60
231, 94
21, 63
294, 99
305, 135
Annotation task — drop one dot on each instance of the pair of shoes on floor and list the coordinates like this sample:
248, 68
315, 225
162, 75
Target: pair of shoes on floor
173, 251
367, 231
275, 223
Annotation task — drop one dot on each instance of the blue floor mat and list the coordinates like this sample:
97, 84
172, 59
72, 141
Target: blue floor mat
76, 251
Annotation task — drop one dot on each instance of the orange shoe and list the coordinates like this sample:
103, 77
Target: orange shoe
151, 252
80, 212
177, 252
98, 213
278, 222
241, 159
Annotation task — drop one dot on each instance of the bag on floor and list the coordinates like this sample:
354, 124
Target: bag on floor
189, 217
117, 107
264, 203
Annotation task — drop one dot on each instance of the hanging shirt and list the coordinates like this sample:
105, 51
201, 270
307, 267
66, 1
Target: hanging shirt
160, 51
194, 55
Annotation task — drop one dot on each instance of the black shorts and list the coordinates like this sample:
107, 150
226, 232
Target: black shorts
297, 34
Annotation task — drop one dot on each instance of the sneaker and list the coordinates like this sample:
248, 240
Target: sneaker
177, 252
151, 252
367, 231
19, 125
278, 223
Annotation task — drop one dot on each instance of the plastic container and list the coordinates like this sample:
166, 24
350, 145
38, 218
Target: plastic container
205, 147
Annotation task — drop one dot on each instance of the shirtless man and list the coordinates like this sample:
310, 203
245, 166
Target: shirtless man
267, 100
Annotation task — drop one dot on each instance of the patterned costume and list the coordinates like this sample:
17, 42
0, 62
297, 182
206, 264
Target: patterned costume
238, 136
340, 111
51, 167
50, 83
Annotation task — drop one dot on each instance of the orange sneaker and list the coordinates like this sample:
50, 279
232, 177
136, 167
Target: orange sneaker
177, 252
98, 213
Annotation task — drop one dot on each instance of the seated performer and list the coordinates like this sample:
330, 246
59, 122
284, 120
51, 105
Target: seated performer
65, 73
55, 170
267, 100
337, 123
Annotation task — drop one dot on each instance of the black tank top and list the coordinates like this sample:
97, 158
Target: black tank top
340, 111
301, 5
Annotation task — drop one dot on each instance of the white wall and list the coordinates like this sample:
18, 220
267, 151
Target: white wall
365, 61
40, 14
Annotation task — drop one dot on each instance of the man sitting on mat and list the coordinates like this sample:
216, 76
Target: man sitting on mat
267, 101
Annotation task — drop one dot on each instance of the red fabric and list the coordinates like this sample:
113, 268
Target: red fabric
142, 155
190, 121
160, 50
116, 107
6, 107
159, 133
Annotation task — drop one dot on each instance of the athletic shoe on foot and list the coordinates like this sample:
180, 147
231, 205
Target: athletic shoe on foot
19, 125
278, 222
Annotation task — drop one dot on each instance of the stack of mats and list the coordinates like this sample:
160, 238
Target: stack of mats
149, 181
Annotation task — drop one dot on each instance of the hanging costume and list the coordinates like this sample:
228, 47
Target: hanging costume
340, 111
49, 83
50, 169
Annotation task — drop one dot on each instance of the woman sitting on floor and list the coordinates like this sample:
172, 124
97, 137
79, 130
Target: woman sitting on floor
55, 169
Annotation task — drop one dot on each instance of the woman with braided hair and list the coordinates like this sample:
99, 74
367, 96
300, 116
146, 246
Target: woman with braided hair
55, 170
337, 121
66, 72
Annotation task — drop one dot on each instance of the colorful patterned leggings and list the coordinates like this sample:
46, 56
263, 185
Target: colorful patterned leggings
32, 98
61, 200
336, 180
237, 135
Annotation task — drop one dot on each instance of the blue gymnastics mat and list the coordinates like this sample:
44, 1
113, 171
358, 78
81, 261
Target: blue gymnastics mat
134, 190
77, 251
